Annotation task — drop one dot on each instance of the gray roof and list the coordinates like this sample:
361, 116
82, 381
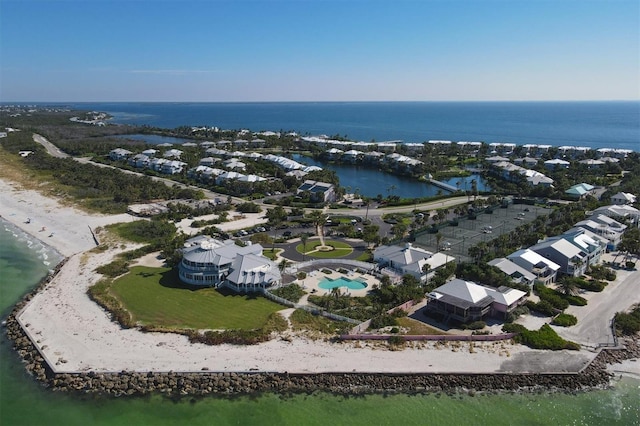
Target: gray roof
215, 252
511, 269
253, 269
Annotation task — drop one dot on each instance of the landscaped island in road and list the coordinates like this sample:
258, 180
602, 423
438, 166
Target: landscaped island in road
78, 339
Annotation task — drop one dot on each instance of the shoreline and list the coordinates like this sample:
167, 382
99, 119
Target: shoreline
71, 341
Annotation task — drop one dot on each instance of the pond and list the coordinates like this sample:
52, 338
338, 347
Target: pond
371, 182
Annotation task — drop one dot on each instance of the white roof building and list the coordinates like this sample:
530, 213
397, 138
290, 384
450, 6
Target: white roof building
517, 273
544, 269
623, 198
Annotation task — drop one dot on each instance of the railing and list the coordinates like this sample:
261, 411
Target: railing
315, 310
438, 337
319, 262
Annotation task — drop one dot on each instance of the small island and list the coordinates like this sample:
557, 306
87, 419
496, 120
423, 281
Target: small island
228, 267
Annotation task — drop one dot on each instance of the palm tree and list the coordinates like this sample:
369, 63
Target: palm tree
568, 286
438, 240
284, 263
319, 218
425, 270
474, 189
303, 238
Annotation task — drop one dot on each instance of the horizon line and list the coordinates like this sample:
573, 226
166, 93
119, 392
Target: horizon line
319, 101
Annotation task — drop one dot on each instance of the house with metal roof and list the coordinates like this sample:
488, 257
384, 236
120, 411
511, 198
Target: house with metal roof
518, 274
119, 154
544, 269
321, 192
214, 263
580, 190
613, 236
411, 260
573, 261
623, 198
466, 301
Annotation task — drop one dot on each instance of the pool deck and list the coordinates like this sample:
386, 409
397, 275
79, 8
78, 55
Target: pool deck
312, 281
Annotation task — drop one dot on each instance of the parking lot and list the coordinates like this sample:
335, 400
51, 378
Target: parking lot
456, 240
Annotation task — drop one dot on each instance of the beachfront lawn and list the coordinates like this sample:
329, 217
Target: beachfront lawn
155, 296
339, 249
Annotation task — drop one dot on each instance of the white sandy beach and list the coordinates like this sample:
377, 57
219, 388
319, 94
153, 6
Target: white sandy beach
75, 334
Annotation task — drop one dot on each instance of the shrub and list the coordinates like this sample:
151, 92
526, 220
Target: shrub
477, 325
543, 307
292, 292
575, 300
628, 323
383, 320
593, 285
114, 269
565, 320
396, 340
552, 297
394, 330
629, 264
301, 275
544, 338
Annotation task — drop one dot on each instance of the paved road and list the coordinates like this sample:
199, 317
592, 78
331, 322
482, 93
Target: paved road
53, 150
594, 320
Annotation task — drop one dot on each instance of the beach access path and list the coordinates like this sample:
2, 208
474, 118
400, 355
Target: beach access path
75, 334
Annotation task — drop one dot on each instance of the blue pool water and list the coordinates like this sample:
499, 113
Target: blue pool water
328, 283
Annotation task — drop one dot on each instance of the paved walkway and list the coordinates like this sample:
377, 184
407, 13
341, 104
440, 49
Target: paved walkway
594, 319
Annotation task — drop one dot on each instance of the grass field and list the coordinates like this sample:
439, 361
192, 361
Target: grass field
340, 249
155, 296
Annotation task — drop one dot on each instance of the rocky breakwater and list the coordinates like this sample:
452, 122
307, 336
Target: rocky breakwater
206, 382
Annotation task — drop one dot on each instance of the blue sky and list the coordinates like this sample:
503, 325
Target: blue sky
319, 50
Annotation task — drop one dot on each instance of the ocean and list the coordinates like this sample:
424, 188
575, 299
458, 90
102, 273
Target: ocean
596, 124
24, 261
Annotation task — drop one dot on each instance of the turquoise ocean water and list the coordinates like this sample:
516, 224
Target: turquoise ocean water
23, 261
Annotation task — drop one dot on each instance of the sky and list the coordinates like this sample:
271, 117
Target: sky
318, 50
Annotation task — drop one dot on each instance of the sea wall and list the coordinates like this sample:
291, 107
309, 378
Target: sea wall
207, 382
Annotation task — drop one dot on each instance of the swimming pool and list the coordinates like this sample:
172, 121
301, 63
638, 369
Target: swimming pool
328, 283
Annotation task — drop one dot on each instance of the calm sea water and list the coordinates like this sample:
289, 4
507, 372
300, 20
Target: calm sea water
23, 262
592, 124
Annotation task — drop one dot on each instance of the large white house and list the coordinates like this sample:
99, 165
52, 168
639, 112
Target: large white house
214, 263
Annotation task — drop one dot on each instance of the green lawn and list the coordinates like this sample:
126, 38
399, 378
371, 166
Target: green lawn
155, 296
340, 249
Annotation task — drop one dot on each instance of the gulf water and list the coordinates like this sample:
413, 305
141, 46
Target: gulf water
24, 261
595, 124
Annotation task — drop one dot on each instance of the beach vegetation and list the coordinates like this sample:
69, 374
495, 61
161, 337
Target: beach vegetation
302, 320
565, 320
144, 231
544, 338
292, 292
628, 323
